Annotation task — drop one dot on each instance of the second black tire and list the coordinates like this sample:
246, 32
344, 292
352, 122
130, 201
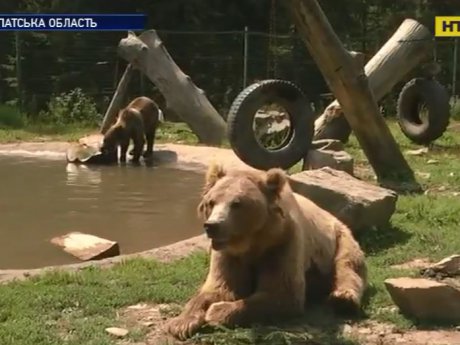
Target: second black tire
431, 94
241, 118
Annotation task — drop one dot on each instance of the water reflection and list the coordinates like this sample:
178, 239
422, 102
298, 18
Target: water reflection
140, 207
80, 175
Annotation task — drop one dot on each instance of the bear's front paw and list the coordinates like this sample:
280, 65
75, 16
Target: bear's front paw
220, 313
183, 327
345, 301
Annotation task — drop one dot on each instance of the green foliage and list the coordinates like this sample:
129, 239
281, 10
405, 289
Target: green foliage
11, 117
455, 109
69, 108
87, 60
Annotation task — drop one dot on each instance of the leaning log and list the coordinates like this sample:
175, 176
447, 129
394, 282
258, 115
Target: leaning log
406, 49
117, 99
148, 54
349, 84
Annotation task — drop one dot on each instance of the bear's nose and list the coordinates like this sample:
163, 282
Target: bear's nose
211, 228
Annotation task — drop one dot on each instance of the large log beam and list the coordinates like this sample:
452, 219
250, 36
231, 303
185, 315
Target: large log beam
349, 84
190, 103
406, 49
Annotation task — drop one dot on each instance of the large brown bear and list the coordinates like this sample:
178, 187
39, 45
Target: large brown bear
137, 122
269, 246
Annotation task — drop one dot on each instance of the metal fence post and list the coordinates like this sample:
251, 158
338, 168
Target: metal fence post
245, 57
454, 69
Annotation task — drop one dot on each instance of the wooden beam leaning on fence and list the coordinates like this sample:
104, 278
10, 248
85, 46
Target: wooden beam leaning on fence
147, 53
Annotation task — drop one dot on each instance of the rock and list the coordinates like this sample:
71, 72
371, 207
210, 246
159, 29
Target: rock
356, 203
327, 144
423, 174
147, 323
449, 266
118, 332
347, 330
418, 152
339, 160
425, 299
87, 247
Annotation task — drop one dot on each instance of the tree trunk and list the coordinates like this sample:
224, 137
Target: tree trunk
408, 46
148, 53
117, 99
349, 84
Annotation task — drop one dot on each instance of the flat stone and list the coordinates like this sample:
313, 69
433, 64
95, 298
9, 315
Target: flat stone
339, 160
425, 299
356, 203
87, 247
449, 266
118, 332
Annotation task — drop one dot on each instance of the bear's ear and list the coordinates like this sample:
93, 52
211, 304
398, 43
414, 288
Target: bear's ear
214, 173
274, 181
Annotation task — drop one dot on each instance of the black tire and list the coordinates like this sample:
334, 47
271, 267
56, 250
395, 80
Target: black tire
431, 94
241, 117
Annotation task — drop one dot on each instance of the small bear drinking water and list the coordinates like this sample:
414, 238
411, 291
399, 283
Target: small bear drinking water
137, 122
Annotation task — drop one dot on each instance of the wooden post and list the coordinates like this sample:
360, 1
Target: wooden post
117, 99
349, 84
408, 46
190, 103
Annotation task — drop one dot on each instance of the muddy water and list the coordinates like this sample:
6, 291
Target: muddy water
140, 207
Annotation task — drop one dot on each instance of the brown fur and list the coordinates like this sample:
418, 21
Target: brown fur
267, 246
137, 122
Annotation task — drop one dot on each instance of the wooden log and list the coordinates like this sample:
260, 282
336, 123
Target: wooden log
117, 99
408, 46
190, 103
350, 85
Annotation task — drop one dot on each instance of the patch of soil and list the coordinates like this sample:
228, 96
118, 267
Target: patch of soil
151, 319
374, 333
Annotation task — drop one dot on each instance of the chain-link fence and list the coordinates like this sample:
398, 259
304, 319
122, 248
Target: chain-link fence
36, 66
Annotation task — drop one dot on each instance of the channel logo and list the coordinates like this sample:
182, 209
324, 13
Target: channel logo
447, 26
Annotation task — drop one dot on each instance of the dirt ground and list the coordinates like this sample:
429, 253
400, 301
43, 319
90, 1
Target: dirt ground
151, 319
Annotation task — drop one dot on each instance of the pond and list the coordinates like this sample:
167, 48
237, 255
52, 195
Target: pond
139, 207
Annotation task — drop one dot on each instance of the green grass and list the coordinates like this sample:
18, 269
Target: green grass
42, 132
75, 308
178, 133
